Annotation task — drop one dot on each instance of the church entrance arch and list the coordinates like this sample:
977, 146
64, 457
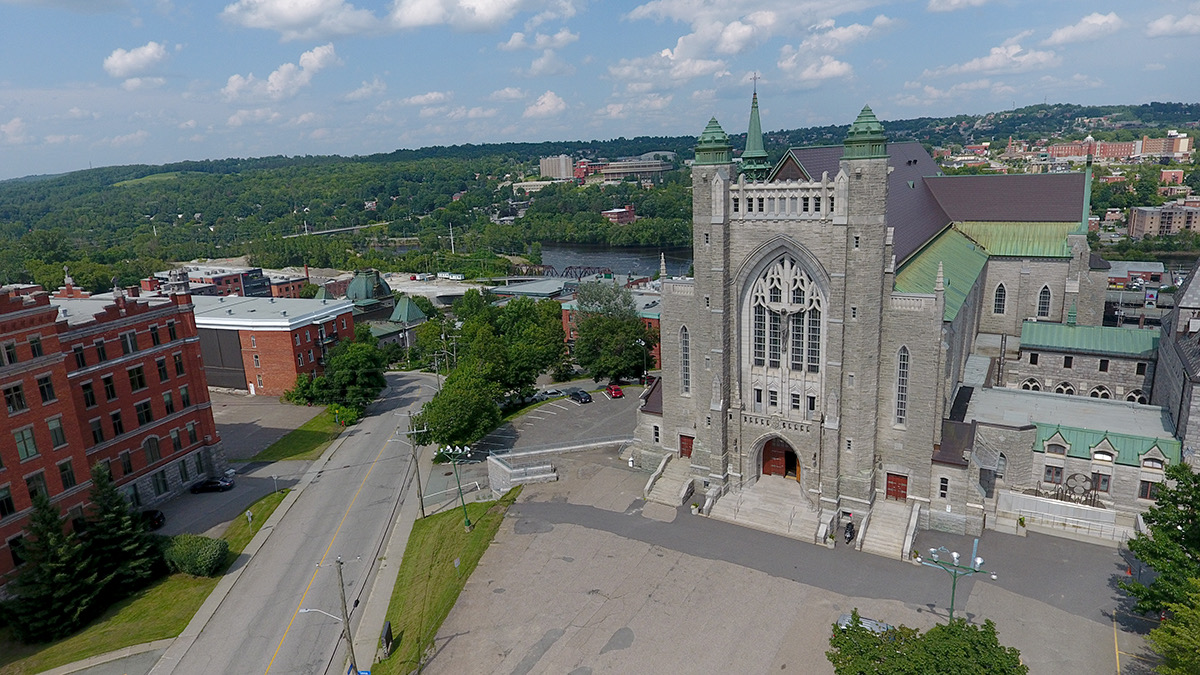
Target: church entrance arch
779, 459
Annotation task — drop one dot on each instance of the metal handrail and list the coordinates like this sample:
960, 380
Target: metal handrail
454, 490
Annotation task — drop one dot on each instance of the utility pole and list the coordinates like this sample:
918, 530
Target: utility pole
416, 459
346, 616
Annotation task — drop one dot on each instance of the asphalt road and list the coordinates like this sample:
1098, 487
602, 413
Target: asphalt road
261, 626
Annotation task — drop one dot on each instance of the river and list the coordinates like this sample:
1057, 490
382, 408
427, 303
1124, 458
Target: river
638, 261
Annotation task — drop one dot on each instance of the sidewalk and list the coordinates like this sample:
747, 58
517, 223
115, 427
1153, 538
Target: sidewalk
367, 636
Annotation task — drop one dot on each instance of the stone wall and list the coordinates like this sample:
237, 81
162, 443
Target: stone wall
1121, 379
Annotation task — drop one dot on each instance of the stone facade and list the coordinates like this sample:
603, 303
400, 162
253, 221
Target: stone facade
1095, 375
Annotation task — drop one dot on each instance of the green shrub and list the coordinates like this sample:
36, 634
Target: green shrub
196, 555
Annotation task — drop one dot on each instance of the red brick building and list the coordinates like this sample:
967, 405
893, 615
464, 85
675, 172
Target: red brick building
261, 344
93, 380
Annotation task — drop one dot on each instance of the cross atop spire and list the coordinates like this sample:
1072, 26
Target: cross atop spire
755, 78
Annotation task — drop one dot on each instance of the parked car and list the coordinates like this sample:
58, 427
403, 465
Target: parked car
614, 391
153, 519
580, 396
212, 485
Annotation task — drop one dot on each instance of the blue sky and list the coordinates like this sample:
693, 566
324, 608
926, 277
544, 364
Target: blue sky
103, 82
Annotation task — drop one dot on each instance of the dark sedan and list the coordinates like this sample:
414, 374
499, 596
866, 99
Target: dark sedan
153, 519
580, 396
212, 485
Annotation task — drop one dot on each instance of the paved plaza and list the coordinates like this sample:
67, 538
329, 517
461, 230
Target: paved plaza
585, 577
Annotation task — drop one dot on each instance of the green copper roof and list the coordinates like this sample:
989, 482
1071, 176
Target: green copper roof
367, 285
962, 261
754, 159
407, 312
1033, 240
1130, 449
713, 146
865, 139
1131, 342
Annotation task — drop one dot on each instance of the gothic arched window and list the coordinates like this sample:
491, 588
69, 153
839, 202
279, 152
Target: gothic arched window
998, 300
685, 361
1043, 310
786, 318
902, 385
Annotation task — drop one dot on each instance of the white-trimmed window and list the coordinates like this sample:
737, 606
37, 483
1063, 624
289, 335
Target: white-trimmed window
1043, 308
902, 385
1100, 392
786, 290
1136, 396
1065, 388
1152, 463
1031, 384
998, 300
1102, 456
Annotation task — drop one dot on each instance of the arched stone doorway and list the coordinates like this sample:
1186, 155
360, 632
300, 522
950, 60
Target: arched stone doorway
779, 459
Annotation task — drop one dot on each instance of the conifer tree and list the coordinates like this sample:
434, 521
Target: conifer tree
56, 591
116, 543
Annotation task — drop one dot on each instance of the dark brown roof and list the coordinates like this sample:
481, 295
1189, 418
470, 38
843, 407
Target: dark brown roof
957, 439
1037, 198
652, 399
911, 210
1097, 263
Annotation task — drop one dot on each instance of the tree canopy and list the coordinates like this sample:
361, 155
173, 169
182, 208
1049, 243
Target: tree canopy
954, 648
611, 341
1177, 640
1171, 543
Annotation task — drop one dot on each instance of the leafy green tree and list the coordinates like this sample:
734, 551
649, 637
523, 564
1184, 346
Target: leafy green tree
463, 411
116, 543
57, 591
309, 291
611, 341
1177, 640
955, 648
1171, 544
354, 375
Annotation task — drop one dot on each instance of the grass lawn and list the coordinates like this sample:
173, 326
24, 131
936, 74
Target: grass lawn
159, 611
428, 583
306, 442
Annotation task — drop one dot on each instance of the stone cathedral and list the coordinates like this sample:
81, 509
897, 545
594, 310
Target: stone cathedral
849, 311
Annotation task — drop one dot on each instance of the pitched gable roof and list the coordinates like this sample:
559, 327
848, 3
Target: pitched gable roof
1053, 197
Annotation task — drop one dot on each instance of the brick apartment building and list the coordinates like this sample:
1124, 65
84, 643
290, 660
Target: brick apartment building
98, 380
260, 345
1172, 218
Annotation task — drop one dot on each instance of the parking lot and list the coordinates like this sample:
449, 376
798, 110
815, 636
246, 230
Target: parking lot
585, 577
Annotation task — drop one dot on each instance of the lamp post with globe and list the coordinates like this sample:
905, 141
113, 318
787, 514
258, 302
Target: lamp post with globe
954, 569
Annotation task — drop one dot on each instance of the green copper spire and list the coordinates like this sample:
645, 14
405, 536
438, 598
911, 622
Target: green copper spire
754, 159
866, 139
713, 147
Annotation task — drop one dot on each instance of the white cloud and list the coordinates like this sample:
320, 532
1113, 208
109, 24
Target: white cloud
612, 111
737, 35
13, 132
77, 113
507, 94
665, 69
190, 124
464, 113
929, 94
59, 139
259, 115
813, 59
1089, 27
461, 14
427, 98
1007, 58
1165, 26
367, 90
135, 138
135, 83
952, 5
704, 94
303, 19
548, 104
304, 118
559, 40
286, 81
549, 63
123, 63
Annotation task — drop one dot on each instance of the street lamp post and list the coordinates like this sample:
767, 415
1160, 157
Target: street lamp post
642, 344
954, 569
456, 455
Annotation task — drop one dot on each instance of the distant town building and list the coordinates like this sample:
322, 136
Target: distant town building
224, 279
558, 168
1152, 221
618, 171
1171, 177
621, 216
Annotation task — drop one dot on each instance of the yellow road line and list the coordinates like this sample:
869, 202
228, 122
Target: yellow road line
323, 556
1116, 647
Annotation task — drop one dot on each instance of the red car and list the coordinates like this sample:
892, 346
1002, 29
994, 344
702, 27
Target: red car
614, 391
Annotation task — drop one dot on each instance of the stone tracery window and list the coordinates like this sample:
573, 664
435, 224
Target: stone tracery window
786, 318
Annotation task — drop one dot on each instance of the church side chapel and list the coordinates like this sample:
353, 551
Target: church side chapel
853, 345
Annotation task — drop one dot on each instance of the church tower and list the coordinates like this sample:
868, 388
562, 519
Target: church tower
754, 160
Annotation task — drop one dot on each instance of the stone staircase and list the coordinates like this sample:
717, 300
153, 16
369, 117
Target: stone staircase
886, 529
772, 504
668, 487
